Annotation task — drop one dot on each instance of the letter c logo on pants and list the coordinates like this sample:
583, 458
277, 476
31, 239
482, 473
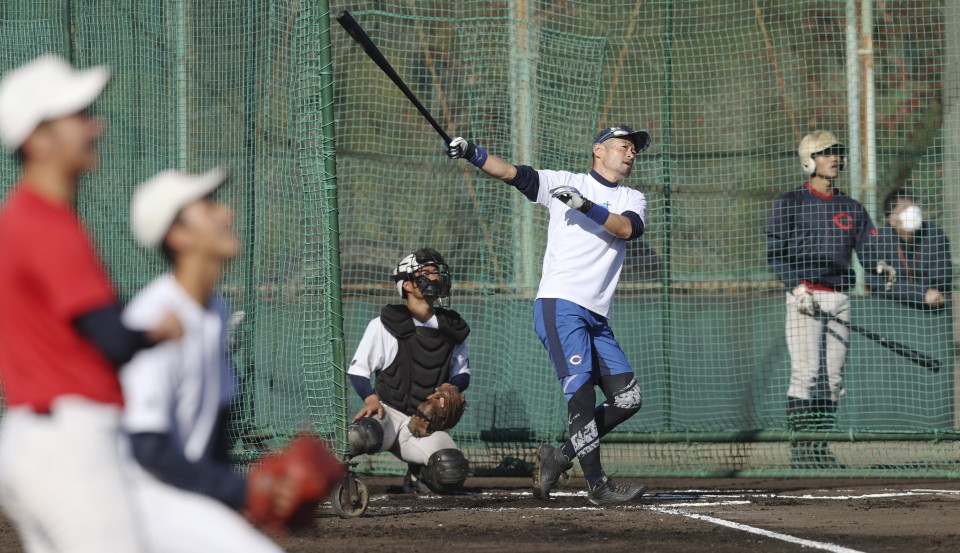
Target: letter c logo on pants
576, 359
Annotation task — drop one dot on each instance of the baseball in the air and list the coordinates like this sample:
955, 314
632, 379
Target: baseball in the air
911, 218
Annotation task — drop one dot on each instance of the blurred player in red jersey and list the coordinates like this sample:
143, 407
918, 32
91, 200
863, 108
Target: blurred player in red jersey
63, 457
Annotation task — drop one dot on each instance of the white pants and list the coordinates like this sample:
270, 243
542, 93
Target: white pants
818, 349
398, 439
179, 521
64, 479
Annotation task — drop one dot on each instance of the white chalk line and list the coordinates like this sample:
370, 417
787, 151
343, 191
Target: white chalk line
750, 494
758, 531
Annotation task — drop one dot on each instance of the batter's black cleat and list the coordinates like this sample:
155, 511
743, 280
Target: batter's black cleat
607, 492
551, 464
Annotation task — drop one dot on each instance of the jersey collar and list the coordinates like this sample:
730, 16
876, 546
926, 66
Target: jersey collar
820, 195
599, 178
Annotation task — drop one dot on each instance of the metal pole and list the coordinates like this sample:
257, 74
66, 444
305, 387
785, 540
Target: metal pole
853, 100
523, 50
869, 187
68, 30
331, 205
951, 166
854, 157
665, 312
180, 45
248, 329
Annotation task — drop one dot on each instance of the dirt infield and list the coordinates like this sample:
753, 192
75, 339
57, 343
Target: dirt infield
843, 516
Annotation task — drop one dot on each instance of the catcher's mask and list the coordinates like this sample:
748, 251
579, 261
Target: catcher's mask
411, 268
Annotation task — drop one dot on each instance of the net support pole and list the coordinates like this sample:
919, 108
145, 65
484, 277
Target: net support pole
855, 175
248, 328
523, 48
951, 165
331, 205
866, 191
180, 45
68, 30
854, 163
868, 113
666, 162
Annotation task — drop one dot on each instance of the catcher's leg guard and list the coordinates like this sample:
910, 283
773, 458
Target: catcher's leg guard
365, 436
446, 471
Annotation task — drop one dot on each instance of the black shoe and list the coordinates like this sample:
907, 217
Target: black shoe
826, 460
551, 464
802, 456
606, 492
411, 482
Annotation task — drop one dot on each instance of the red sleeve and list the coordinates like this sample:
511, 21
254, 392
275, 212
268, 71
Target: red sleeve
70, 273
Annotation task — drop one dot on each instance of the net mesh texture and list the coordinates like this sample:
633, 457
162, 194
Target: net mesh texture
726, 89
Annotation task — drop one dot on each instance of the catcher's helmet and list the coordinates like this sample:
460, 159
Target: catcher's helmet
410, 267
819, 143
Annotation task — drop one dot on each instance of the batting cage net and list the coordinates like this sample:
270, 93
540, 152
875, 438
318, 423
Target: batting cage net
727, 89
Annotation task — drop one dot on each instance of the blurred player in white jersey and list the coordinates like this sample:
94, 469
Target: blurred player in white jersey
592, 216
179, 394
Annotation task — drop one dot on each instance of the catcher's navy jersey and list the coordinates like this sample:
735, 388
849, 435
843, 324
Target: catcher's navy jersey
811, 237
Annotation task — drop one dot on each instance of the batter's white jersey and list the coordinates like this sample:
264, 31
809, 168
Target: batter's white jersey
582, 261
178, 387
378, 348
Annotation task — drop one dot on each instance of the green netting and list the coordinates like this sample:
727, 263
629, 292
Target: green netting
725, 87
244, 85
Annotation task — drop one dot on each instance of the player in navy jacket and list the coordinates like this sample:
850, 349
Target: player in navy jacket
918, 253
811, 236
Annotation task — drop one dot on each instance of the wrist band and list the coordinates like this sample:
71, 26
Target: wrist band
479, 157
596, 213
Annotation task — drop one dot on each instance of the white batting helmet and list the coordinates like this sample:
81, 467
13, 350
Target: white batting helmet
819, 142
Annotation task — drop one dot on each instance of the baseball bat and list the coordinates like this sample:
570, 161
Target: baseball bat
902, 350
363, 39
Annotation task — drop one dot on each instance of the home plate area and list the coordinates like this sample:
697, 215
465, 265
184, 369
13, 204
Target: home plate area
677, 515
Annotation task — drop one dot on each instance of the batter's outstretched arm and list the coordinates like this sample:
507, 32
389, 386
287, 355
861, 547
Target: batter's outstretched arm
627, 226
461, 148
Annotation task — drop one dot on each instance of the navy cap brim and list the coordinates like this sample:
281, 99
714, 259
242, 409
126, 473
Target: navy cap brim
640, 139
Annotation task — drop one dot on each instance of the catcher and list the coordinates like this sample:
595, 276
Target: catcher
419, 353
178, 394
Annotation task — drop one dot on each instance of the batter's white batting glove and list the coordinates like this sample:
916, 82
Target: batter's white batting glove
884, 268
568, 195
461, 148
805, 304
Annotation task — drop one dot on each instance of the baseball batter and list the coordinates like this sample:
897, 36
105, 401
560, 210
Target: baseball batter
413, 350
64, 462
811, 236
592, 216
179, 393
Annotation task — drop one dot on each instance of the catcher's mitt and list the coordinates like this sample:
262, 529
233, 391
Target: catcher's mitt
284, 489
440, 411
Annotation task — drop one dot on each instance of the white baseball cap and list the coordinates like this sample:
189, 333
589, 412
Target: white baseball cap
158, 200
44, 89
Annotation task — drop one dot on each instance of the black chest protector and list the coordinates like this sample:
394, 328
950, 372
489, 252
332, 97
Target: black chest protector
423, 356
